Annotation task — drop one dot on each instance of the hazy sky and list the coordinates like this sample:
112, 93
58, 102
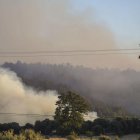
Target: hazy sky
43, 25
122, 16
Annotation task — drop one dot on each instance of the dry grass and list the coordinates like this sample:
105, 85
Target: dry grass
128, 137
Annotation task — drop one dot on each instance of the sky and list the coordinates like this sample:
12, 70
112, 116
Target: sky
55, 25
121, 16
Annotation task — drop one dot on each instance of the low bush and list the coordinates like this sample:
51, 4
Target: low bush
72, 136
117, 138
104, 138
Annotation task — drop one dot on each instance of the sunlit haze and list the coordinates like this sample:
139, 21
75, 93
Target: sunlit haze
30, 27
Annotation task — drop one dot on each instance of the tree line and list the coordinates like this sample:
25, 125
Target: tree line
100, 126
69, 118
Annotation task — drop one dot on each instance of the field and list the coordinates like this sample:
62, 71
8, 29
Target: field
128, 137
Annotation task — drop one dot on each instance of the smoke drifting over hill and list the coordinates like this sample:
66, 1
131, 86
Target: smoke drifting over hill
15, 97
113, 87
23, 104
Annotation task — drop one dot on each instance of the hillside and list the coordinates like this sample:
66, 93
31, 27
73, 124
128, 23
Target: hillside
105, 89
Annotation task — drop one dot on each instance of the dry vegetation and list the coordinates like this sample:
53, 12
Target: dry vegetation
24, 135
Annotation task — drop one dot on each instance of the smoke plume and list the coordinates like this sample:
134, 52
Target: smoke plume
112, 86
35, 25
20, 99
91, 116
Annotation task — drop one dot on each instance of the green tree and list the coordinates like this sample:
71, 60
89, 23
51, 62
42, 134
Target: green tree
69, 112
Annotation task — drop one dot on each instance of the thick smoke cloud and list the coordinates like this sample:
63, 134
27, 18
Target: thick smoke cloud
34, 25
114, 87
22, 104
15, 97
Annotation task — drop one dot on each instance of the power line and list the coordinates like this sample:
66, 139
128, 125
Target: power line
2, 114
22, 114
69, 55
7, 115
67, 51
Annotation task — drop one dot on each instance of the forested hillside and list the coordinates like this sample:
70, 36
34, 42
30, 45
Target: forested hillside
111, 92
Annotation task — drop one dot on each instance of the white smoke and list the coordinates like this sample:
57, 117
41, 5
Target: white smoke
15, 97
91, 116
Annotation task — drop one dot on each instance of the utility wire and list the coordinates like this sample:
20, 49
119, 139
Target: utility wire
77, 54
67, 51
21, 114
44, 115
